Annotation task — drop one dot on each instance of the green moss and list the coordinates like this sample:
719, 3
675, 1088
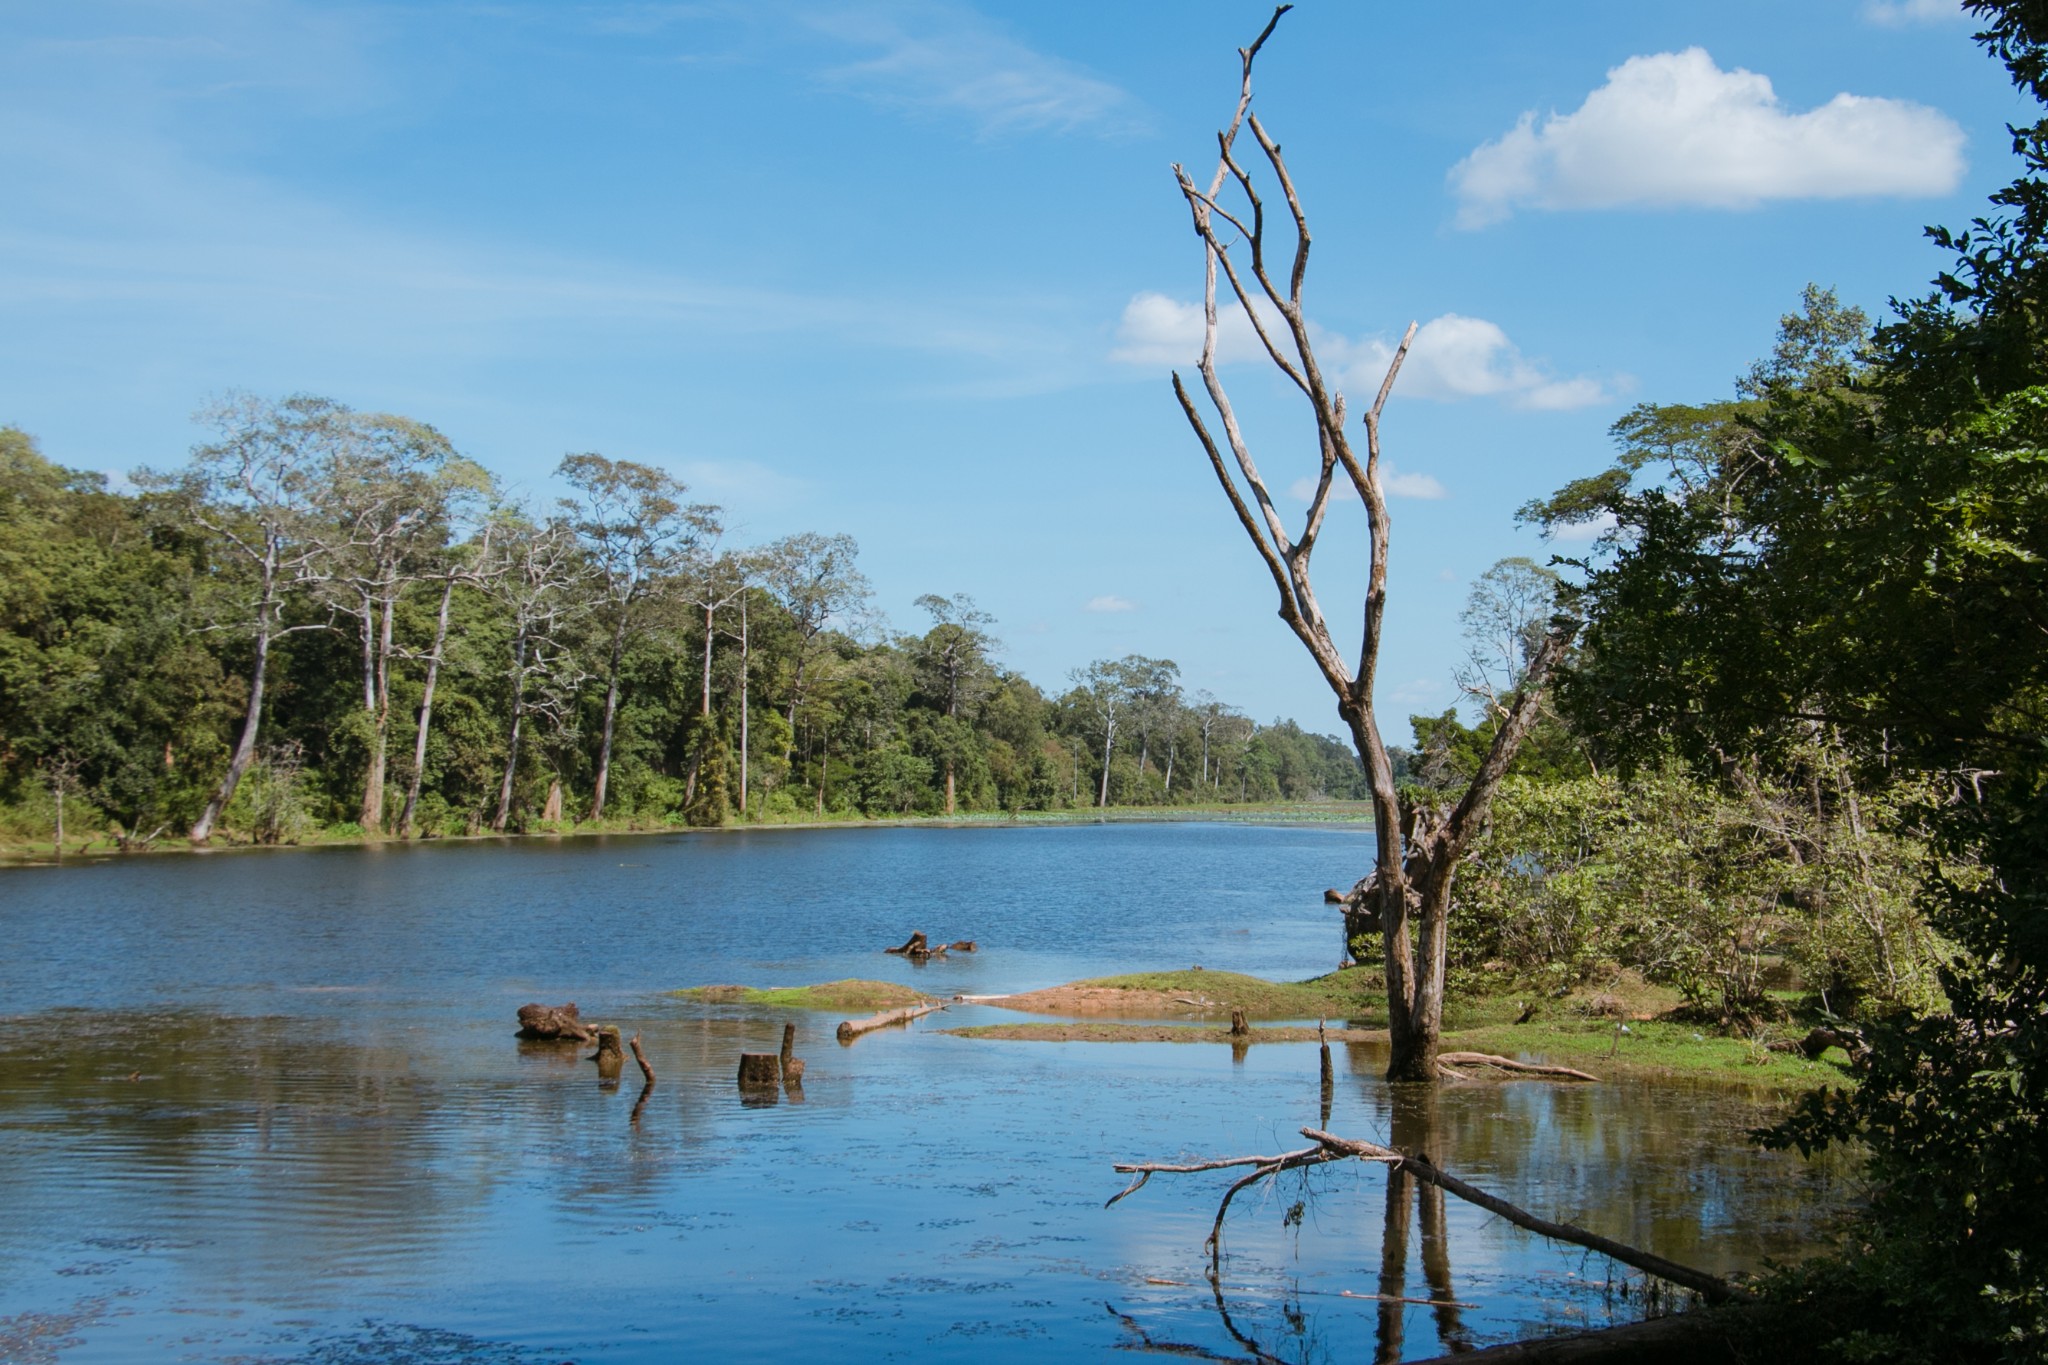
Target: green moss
851, 994
1340, 995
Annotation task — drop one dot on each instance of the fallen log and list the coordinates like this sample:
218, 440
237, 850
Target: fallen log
554, 1023
1454, 1059
853, 1028
1329, 1148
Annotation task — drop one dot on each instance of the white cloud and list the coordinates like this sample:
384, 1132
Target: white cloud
951, 61
1900, 13
1401, 484
1580, 531
1398, 483
1452, 357
1159, 331
1674, 129
1110, 602
1455, 357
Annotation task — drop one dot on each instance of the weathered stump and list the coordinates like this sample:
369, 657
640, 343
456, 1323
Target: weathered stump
760, 1069
914, 946
557, 1023
792, 1065
610, 1055
1239, 1027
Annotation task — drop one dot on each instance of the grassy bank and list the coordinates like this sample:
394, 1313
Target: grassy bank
851, 994
1594, 1031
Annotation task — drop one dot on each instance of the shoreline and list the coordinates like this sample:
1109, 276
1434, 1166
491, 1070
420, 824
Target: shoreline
1334, 813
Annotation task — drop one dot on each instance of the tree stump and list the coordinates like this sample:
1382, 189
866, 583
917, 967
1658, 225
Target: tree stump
556, 1023
758, 1069
792, 1065
1239, 1028
610, 1055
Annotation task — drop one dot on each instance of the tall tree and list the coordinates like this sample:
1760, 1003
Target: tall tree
813, 578
1419, 847
536, 573
1105, 691
391, 488
640, 536
953, 656
255, 491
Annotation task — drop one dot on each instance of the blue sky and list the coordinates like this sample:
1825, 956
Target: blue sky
917, 271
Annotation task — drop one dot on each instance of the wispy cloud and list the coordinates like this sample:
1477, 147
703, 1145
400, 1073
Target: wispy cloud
1901, 13
946, 60
1110, 602
1673, 129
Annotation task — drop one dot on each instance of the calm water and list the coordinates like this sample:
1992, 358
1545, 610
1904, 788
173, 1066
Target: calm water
267, 1107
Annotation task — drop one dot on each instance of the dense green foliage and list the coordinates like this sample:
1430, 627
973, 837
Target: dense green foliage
1849, 559
613, 637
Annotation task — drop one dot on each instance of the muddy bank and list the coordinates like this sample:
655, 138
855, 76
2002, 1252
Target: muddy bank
1104, 1032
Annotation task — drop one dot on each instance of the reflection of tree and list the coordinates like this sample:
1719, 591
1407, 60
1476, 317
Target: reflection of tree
1414, 1114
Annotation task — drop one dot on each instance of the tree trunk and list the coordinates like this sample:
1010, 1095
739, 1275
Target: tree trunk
949, 785
745, 650
245, 747
551, 809
611, 711
504, 814
1102, 800
426, 721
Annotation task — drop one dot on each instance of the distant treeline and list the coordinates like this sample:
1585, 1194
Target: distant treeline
328, 620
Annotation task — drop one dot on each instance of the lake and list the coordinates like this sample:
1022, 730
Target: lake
267, 1106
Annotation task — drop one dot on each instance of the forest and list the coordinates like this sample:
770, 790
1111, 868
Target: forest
328, 623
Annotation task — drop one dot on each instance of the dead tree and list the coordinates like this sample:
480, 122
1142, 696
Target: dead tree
1418, 850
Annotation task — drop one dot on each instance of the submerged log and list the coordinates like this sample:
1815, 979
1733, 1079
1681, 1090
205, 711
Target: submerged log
854, 1028
554, 1022
918, 948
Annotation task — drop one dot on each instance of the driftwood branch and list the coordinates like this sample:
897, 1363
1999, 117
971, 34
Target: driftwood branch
1330, 1147
854, 1028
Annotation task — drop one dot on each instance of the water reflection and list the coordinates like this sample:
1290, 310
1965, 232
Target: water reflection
249, 1162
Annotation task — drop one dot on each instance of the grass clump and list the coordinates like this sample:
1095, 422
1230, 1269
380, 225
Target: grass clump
850, 994
1353, 994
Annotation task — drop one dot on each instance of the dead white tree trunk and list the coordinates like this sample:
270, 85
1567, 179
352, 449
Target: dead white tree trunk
1417, 851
